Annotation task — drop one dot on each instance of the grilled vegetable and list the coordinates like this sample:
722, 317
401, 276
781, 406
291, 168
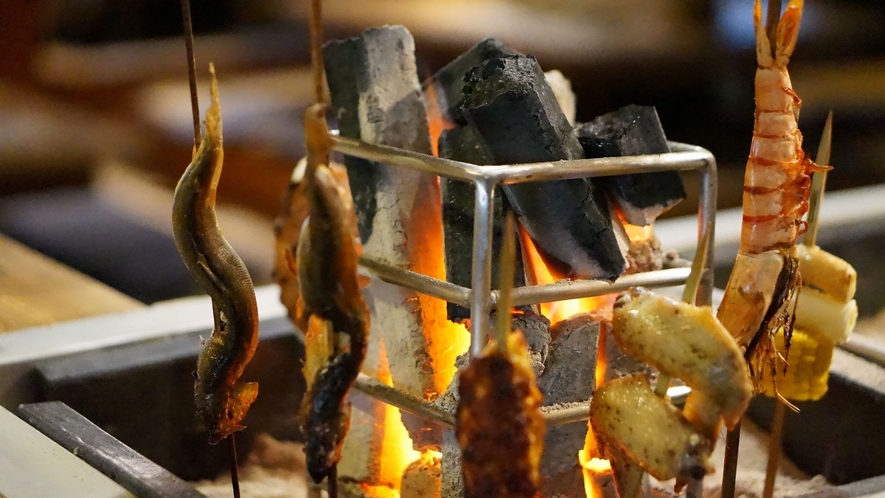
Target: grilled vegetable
626, 414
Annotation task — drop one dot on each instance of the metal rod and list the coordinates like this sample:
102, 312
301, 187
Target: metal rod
404, 401
481, 271
332, 482
523, 296
404, 158
553, 415
707, 228
684, 157
418, 282
575, 289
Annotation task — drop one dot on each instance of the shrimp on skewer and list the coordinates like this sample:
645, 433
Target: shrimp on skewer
222, 401
761, 293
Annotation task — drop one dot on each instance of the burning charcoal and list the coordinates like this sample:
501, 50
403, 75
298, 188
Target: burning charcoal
376, 97
509, 103
448, 82
462, 144
630, 131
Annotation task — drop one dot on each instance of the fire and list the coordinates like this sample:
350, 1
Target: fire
396, 451
539, 273
595, 468
445, 340
436, 121
637, 233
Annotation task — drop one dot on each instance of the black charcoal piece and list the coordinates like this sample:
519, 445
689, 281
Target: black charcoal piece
376, 97
462, 144
448, 82
513, 109
631, 131
839, 436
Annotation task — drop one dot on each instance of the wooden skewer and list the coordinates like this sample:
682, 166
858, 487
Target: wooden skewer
195, 108
818, 183
503, 321
771, 20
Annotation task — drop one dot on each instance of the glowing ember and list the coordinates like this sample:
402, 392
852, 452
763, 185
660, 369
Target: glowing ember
435, 119
396, 451
594, 467
638, 233
539, 273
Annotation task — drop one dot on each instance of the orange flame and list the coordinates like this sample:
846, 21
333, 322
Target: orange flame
539, 273
436, 120
589, 457
396, 451
637, 233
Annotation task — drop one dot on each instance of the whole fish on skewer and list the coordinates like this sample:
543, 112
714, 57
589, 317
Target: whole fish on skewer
338, 318
222, 401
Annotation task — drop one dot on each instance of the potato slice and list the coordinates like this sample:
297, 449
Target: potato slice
826, 273
626, 414
687, 342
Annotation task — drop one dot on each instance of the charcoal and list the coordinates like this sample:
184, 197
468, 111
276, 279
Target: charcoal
511, 106
837, 436
375, 97
630, 131
462, 144
448, 82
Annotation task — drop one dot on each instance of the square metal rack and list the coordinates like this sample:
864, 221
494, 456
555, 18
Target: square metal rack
481, 298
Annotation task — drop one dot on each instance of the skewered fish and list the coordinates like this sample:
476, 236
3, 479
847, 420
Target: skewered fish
222, 401
338, 318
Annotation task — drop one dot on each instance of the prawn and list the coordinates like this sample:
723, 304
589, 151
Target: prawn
762, 290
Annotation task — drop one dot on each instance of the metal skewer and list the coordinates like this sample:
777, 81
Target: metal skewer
195, 108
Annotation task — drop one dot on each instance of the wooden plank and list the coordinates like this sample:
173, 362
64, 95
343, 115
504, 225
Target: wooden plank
38, 291
32, 465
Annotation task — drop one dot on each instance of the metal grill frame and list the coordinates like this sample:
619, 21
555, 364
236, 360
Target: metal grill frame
480, 297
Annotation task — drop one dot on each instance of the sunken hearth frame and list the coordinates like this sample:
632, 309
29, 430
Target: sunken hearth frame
481, 298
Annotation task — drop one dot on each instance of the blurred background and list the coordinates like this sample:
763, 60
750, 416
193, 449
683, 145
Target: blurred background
95, 123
